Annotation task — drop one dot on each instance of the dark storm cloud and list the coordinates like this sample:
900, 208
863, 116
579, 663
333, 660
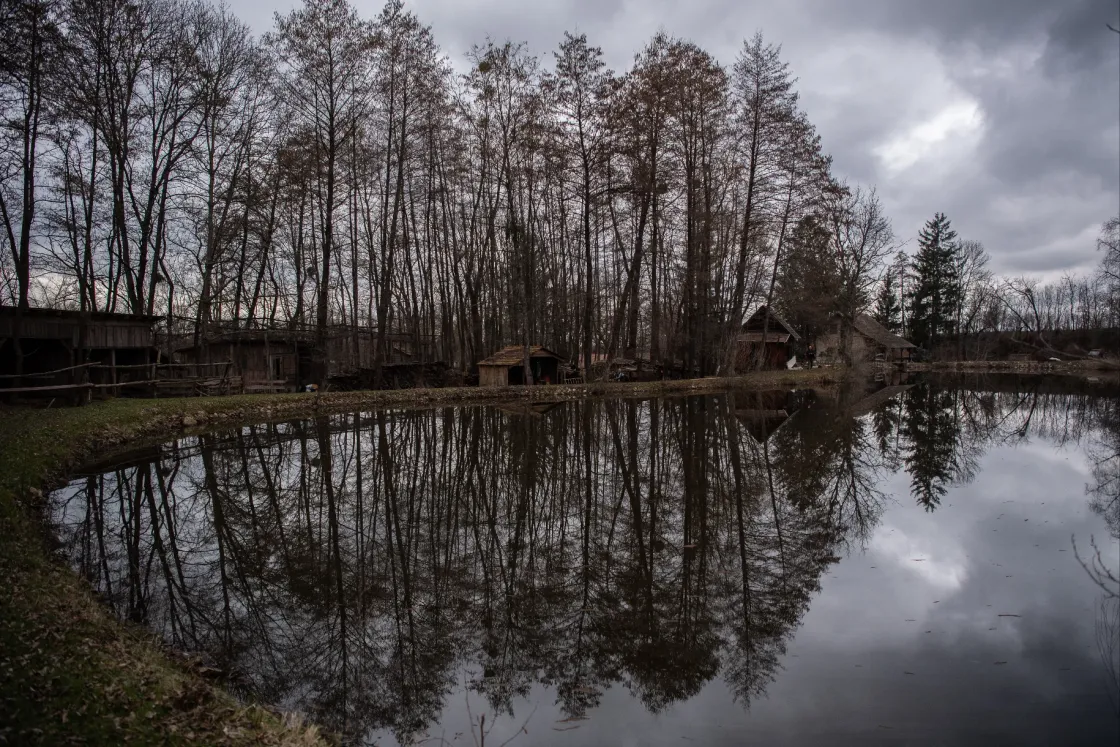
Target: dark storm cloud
1004, 115
1046, 76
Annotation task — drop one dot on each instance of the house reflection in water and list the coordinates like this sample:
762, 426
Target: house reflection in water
764, 413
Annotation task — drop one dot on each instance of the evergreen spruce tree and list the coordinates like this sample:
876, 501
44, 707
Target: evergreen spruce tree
900, 272
933, 297
888, 311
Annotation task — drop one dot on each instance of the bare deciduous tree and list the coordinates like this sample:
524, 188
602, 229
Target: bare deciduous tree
861, 240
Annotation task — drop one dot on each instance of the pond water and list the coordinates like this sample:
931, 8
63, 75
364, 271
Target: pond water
897, 566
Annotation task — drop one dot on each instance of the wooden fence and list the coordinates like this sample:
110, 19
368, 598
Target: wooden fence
143, 379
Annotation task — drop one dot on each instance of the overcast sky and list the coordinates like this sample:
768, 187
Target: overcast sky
1004, 115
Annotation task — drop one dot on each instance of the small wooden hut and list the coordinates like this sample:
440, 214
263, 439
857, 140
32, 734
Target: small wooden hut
878, 340
507, 366
54, 350
774, 340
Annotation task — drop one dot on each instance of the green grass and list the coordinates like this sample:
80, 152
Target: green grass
70, 673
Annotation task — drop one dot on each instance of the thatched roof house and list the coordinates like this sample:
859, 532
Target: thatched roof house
880, 340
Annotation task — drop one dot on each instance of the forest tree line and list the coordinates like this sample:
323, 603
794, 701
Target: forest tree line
947, 290
156, 158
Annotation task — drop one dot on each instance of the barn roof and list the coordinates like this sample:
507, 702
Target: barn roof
74, 315
757, 320
87, 330
512, 355
868, 327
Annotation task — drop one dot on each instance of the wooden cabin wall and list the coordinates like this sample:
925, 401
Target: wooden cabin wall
774, 356
99, 333
343, 356
119, 335
493, 376
251, 359
254, 360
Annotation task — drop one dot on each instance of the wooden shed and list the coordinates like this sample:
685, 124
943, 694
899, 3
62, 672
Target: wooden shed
774, 340
57, 348
266, 360
878, 340
507, 366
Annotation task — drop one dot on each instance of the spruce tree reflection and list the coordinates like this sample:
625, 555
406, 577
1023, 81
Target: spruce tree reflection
932, 432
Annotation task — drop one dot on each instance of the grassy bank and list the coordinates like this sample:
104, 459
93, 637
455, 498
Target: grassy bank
69, 671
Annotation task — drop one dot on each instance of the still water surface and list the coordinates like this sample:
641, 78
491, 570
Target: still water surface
894, 567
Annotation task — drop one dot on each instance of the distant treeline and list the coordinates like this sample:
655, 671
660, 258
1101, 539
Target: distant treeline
155, 158
997, 345
946, 298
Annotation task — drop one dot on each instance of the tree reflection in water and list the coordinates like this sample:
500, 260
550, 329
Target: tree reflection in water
354, 567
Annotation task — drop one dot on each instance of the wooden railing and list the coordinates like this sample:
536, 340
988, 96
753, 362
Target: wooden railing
200, 379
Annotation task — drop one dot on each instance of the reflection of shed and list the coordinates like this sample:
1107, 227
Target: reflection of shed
52, 343
534, 409
762, 424
773, 340
265, 359
881, 341
507, 366
133, 458
764, 413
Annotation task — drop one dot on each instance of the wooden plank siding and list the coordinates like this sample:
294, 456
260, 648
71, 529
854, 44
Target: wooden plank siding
86, 331
493, 375
257, 362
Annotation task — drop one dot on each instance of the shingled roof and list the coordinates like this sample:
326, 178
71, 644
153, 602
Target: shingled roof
512, 355
868, 327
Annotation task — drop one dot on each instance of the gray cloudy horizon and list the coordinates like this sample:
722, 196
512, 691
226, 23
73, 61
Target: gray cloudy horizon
1003, 115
